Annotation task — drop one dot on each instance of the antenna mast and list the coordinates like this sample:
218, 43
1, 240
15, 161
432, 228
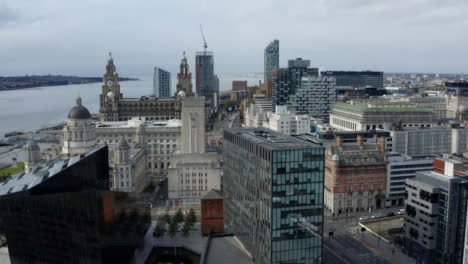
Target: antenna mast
204, 41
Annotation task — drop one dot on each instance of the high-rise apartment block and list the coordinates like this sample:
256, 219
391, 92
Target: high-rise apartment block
273, 202
161, 83
285, 81
287, 122
315, 96
271, 59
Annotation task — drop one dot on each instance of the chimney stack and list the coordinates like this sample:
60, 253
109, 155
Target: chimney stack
339, 141
382, 145
360, 141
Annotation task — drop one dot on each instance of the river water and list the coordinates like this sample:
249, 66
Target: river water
29, 109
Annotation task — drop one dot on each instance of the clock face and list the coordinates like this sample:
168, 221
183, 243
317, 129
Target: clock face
110, 83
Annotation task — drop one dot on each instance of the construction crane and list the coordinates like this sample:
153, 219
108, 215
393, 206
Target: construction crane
203, 35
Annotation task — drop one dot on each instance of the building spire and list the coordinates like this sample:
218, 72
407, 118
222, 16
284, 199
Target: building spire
78, 101
110, 55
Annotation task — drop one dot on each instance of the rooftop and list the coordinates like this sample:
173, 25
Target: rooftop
211, 195
354, 155
137, 121
366, 108
270, 139
25, 181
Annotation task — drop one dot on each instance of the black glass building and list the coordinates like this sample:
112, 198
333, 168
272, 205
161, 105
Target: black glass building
63, 212
273, 195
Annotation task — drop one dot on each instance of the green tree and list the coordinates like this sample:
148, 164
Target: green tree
186, 229
178, 217
159, 230
166, 218
172, 228
191, 217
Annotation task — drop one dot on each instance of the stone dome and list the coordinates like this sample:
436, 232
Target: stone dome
181, 94
32, 145
122, 143
79, 111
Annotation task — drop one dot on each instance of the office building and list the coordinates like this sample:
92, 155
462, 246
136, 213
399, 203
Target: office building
285, 81
114, 107
430, 141
161, 83
286, 122
206, 83
273, 202
355, 177
184, 79
356, 79
314, 97
63, 212
436, 212
271, 59
399, 168
367, 115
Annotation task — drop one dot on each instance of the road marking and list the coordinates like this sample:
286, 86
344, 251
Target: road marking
336, 254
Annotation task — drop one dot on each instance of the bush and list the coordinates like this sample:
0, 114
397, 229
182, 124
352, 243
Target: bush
166, 218
159, 230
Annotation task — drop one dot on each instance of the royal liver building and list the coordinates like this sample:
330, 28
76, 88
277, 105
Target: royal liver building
114, 107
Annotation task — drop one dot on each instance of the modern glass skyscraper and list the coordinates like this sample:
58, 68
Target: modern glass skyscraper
161, 83
271, 57
273, 195
206, 83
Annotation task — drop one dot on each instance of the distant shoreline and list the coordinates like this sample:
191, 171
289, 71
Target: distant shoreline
34, 81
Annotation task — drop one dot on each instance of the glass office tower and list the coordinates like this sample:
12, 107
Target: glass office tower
273, 195
271, 59
161, 83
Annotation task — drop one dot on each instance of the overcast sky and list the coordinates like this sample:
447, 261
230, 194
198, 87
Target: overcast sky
75, 36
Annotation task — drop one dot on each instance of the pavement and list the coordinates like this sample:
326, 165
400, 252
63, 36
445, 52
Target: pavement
347, 242
345, 249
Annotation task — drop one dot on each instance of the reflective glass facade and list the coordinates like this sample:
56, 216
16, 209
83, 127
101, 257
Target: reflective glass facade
273, 195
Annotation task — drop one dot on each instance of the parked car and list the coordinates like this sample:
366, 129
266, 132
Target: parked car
391, 214
363, 218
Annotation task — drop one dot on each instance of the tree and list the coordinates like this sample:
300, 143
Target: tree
186, 229
191, 217
172, 228
178, 217
159, 230
166, 218
228, 104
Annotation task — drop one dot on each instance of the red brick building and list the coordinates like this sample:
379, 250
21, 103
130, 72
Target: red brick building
239, 85
355, 176
212, 213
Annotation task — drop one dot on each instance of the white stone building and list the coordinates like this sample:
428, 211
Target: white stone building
257, 111
33, 156
128, 168
160, 138
192, 171
364, 115
288, 123
78, 134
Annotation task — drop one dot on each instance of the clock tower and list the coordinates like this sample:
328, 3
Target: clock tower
110, 96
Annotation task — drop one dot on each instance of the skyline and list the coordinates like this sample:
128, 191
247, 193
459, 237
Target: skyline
51, 36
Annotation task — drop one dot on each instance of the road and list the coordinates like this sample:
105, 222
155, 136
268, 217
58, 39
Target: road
344, 249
